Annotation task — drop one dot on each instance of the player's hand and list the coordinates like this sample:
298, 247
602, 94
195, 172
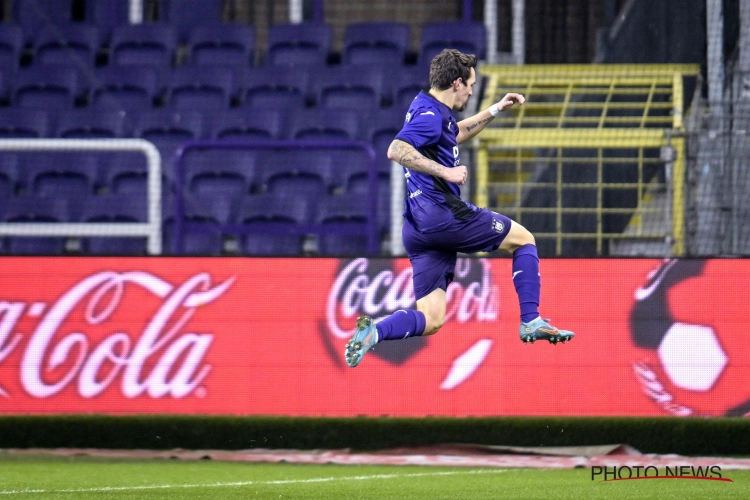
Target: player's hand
509, 100
456, 174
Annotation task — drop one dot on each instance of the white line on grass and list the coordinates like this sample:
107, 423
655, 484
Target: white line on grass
256, 483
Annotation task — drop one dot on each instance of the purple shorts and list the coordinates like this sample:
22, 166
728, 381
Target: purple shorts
433, 255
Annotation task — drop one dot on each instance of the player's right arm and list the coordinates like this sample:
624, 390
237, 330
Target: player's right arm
407, 155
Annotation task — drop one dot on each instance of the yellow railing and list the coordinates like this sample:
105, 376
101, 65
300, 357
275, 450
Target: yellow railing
605, 124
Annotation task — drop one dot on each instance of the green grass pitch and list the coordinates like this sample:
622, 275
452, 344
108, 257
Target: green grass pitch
81, 477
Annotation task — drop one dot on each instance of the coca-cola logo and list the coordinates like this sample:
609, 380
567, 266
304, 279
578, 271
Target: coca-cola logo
160, 360
373, 287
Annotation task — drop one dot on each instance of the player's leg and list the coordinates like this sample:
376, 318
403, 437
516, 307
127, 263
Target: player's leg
527, 280
433, 308
432, 273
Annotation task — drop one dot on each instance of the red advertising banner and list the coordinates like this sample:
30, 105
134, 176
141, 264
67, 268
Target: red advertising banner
266, 337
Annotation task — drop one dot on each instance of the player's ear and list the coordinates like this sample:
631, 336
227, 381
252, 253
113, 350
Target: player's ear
457, 83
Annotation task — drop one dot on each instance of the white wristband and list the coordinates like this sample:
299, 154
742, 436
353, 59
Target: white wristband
494, 110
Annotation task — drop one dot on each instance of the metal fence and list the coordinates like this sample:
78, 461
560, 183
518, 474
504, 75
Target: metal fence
594, 162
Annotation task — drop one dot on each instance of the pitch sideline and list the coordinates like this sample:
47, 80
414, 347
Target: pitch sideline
248, 483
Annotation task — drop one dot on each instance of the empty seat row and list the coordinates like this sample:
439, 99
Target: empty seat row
264, 224
233, 43
217, 87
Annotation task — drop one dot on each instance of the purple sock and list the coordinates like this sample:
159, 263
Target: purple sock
402, 324
527, 281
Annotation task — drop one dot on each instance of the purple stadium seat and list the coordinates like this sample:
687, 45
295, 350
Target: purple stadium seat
318, 123
276, 88
106, 15
351, 87
348, 210
267, 215
468, 37
186, 15
408, 83
32, 15
36, 209
11, 44
66, 174
115, 208
304, 43
46, 87
249, 124
17, 123
75, 44
376, 42
381, 126
168, 130
201, 88
222, 43
85, 123
222, 173
146, 43
129, 87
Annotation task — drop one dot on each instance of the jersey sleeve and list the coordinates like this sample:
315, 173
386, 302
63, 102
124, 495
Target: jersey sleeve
421, 128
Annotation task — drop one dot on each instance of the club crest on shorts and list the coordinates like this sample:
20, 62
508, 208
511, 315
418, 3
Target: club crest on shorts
498, 225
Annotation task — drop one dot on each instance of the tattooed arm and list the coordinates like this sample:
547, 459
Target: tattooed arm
470, 127
407, 155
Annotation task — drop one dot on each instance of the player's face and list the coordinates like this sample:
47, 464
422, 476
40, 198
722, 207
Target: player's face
464, 91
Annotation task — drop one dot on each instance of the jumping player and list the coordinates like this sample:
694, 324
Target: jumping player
438, 224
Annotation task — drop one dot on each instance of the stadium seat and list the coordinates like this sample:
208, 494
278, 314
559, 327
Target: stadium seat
207, 242
303, 43
381, 126
376, 42
320, 123
36, 209
66, 174
351, 87
222, 43
186, 15
127, 173
274, 221
249, 124
91, 124
168, 130
17, 123
275, 88
357, 184
106, 15
467, 37
408, 82
114, 208
33, 15
9, 175
73, 43
46, 87
129, 87
146, 43
221, 173
343, 210
11, 44
201, 88
312, 172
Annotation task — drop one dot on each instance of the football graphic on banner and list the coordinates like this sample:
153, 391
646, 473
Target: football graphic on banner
685, 315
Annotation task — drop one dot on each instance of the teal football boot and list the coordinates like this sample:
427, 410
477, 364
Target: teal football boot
540, 329
365, 337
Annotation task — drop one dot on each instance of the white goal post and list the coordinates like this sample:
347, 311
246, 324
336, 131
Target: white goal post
150, 229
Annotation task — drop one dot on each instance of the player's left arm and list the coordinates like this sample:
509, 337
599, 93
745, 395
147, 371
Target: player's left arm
470, 127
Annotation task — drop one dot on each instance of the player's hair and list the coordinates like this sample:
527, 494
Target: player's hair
449, 65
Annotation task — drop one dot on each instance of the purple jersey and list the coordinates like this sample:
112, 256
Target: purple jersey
432, 204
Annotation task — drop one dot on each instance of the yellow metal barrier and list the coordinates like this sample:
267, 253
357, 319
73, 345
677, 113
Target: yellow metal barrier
587, 135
